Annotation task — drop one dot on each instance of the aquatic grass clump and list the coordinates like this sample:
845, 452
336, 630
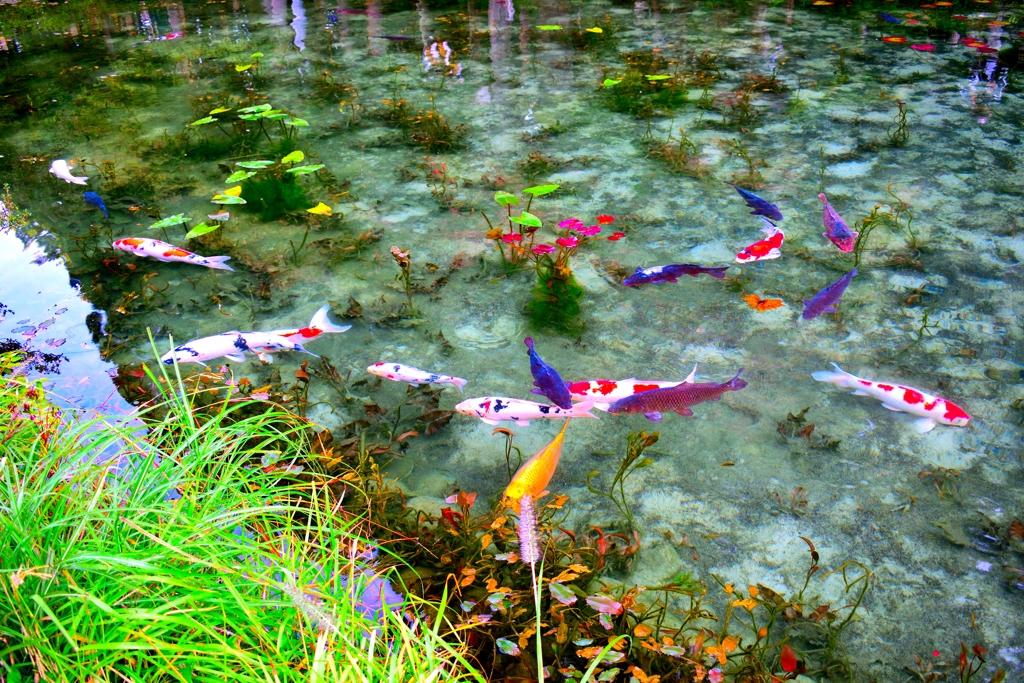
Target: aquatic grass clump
273, 196
680, 154
898, 132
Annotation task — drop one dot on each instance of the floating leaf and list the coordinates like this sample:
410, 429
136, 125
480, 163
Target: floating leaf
321, 209
583, 642
507, 646
658, 77
232, 191
201, 229
176, 219
273, 115
294, 157
674, 651
505, 198
203, 121
225, 199
550, 27
541, 190
220, 110
258, 107
296, 121
303, 170
258, 164
605, 621
242, 67
249, 117
526, 218
604, 604
594, 29
608, 675
562, 594
239, 175
609, 82
255, 55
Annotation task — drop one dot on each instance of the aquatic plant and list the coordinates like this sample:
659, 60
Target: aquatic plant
644, 89
898, 132
442, 185
842, 70
892, 218
680, 154
536, 164
752, 178
633, 460
404, 261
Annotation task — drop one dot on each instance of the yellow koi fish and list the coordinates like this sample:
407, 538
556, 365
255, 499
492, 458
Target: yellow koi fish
534, 474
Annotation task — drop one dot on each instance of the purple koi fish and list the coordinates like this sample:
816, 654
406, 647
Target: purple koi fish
547, 380
671, 273
836, 228
760, 206
679, 398
827, 299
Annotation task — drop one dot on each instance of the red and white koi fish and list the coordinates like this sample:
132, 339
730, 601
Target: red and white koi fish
493, 409
233, 346
765, 250
319, 324
414, 376
162, 251
605, 392
900, 399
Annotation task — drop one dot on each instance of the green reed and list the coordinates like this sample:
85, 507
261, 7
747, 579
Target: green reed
633, 460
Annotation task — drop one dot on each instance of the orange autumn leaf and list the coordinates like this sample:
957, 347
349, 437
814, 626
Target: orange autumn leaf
728, 588
642, 631
753, 591
759, 304
641, 676
730, 643
716, 652
748, 603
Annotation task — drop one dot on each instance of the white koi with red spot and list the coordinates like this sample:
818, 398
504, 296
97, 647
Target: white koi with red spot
605, 392
492, 409
320, 324
930, 409
414, 376
162, 251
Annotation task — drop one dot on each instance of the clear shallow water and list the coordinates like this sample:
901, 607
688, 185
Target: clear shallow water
83, 83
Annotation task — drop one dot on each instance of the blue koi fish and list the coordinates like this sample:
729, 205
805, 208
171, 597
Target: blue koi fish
827, 299
547, 380
760, 206
885, 16
671, 273
95, 200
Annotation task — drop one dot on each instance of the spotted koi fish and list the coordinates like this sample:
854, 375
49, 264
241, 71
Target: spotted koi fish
765, 250
233, 346
492, 409
605, 392
930, 409
414, 376
320, 324
162, 251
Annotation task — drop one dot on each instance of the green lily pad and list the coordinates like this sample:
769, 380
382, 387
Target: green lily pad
526, 218
303, 170
176, 219
258, 107
549, 27
259, 164
203, 121
505, 198
541, 190
224, 199
242, 67
294, 157
295, 121
609, 82
255, 55
220, 110
658, 77
239, 175
273, 115
201, 229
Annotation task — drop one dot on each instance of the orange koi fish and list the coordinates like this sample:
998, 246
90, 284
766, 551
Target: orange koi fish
533, 477
162, 251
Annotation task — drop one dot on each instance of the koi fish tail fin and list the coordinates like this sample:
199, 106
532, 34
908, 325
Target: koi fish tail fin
824, 200
718, 272
690, 379
321, 322
217, 263
735, 384
581, 409
79, 180
769, 227
529, 343
840, 377
458, 382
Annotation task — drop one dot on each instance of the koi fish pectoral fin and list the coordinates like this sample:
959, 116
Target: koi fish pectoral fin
924, 425
862, 393
686, 412
772, 254
237, 357
536, 391
653, 417
892, 408
489, 421
523, 423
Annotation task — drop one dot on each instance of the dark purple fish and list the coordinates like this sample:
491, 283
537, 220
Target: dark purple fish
679, 398
827, 299
394, 37
547, 380
836, 228
760, 206
671, 273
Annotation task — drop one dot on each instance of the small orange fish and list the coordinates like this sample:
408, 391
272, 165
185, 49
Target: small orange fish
535, 473
759, 304
893, 39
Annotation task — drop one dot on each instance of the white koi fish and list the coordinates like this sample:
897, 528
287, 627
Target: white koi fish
493, 409
605, 392
414, 376
62, 170
319, 324
162, 251
900, 399
233, 346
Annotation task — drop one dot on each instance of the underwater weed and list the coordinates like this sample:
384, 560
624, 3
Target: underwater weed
841, 73
636, 444
536, 164
404, 261
434, 132
752, 178
442, 185
681, 155
898, 132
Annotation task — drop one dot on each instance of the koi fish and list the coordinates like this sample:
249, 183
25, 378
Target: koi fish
671, 273
493, 409
233, 346
318, 325
62, 170
414, 376
97, 201
606, 392
761, 207
765, 250
827, 299
885, 16
679, 398
534, 474
547, 380
930, 409
162, 251
836, 228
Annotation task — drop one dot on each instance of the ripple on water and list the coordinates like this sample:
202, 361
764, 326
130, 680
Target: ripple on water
483, 329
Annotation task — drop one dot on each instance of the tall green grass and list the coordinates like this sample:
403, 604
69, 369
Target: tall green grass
184, 559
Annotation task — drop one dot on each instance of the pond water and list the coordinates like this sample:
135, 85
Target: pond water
420, 113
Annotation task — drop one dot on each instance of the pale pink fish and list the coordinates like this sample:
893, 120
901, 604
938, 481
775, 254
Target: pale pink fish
492, 409
414, 376
836, 228
162, 251
900, 399
605, 392
319, 324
